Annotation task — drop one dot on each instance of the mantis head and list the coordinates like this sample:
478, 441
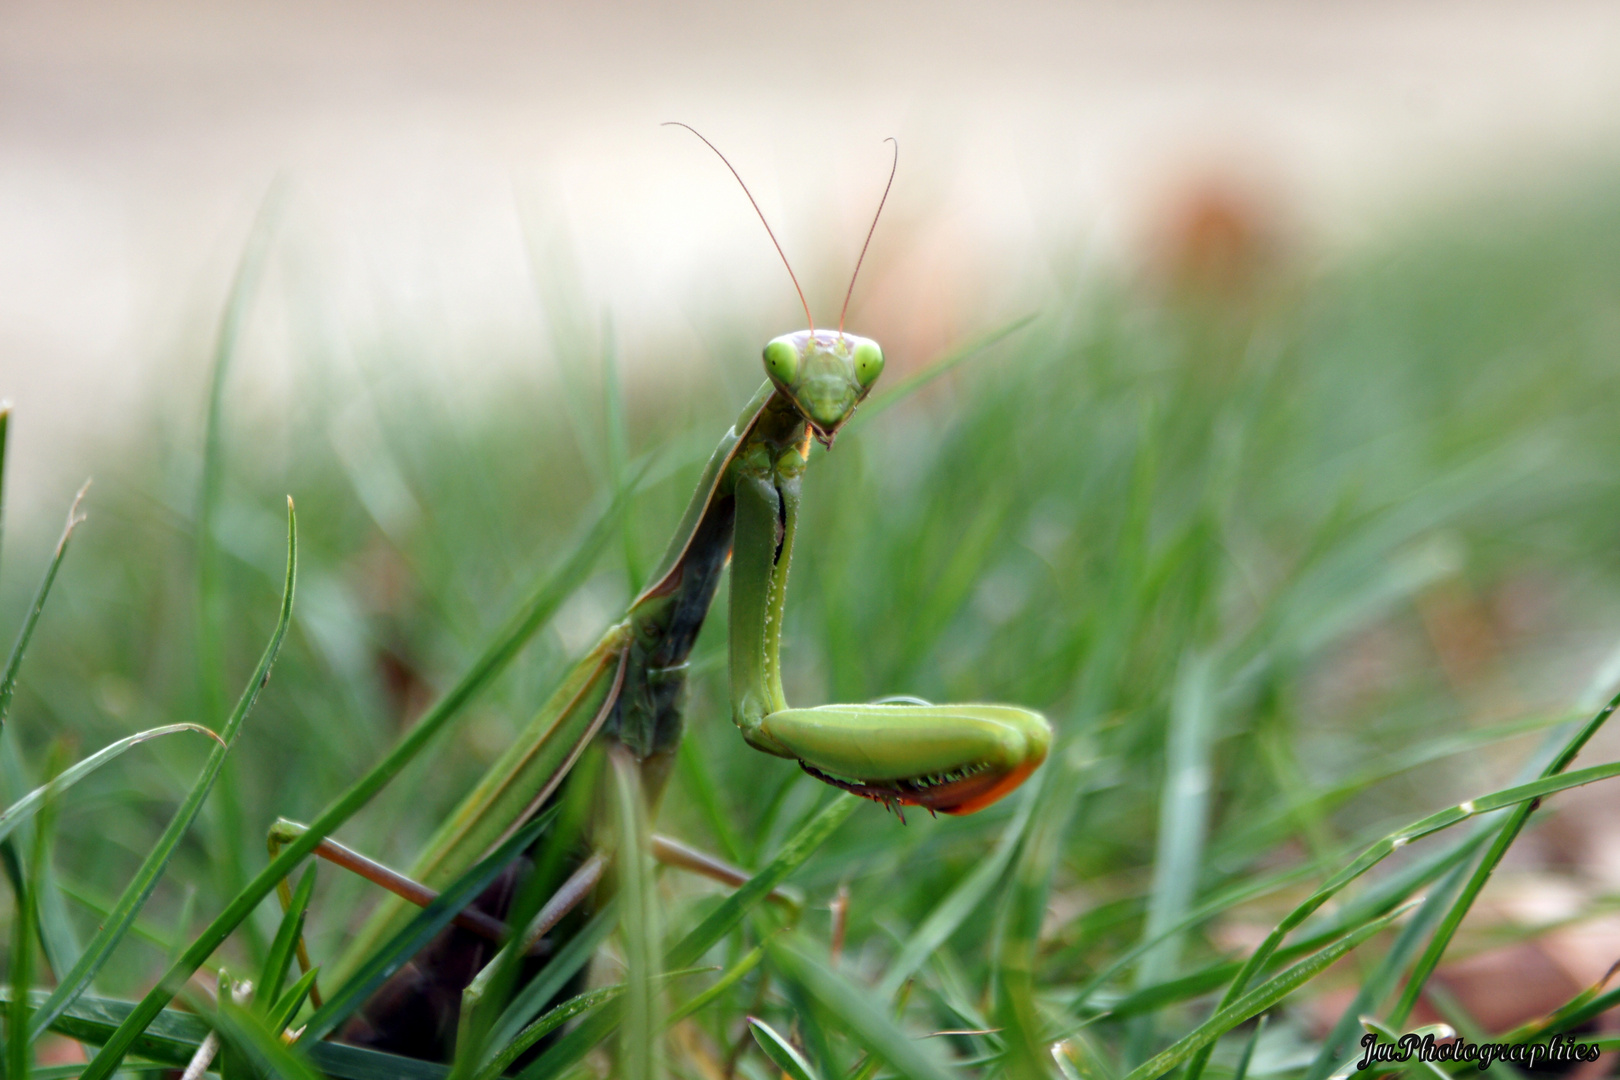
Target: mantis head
824, 373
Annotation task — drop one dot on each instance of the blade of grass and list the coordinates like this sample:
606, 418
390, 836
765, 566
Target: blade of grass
1506, 834
506, 643
8, 680
862, 1015
146, 877
1183, 818
173, 1036
25, 807
553, 977
554, 1019
285, 944
246, 1033
781, 1052
903, 389
640, 1054
960, 902
1525, 794
281, 1013
226, 836
1375, 987
1256, 1001
19, 1055
573, 1046
422, 928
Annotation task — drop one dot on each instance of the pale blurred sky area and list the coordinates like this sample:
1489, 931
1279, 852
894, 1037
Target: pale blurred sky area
429, 148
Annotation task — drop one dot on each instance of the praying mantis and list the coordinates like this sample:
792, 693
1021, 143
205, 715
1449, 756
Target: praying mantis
626, 691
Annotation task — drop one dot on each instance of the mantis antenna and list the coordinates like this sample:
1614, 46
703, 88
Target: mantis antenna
809, 322
851, 291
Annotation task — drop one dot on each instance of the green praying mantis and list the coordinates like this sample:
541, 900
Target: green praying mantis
627, 690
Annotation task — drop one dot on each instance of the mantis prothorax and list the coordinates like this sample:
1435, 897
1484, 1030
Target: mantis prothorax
627, 689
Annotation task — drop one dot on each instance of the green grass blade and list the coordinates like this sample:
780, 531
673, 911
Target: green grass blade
246, 1033
8, 679
25, 807
720, 922
1505, 836
19, 1057
640, 1041
227, 832
172, 1037
554, 1019
781, 1052
573, 1046
146, 878
899, 391
1256, 1001
1183, 820
862, 1016
286, 1007
274, 972
1242, 1070
960, 902
421, 929
545, 1025
1376, 986
512, 636
721, 985
526, 1003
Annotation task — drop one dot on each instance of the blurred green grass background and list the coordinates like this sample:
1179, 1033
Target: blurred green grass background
1354, 524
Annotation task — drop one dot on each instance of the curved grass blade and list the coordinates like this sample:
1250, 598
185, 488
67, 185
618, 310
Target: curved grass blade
226, 831
1257, 1001
959, 903
25, 807
145, 880
917, 380
1382, 980
8, 680
781, 1052
513, 635
1505, 836
720, 922
1527, 794
422, 928
863, 1016
545, 1025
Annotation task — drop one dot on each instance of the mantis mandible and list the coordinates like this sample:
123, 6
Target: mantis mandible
627, 689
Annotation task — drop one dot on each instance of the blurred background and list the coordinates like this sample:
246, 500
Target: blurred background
1312, 428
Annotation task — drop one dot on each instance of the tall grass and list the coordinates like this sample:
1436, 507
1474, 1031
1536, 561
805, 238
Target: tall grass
1295, 565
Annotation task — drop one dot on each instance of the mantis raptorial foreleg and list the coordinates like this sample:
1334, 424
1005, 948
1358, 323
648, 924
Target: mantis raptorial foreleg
627, 690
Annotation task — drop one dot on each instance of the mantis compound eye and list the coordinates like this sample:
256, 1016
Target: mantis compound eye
868, 363
782, 362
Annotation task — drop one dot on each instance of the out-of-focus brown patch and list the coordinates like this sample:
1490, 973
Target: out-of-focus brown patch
1217, 239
